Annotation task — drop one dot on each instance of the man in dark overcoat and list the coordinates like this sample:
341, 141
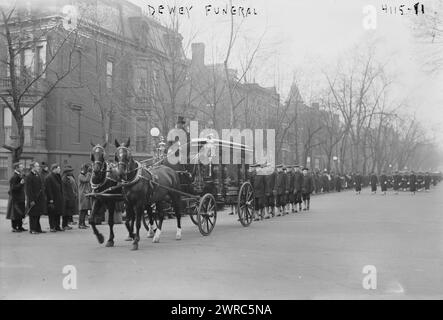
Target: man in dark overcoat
69, 196
16, 203
54, 197
34, 195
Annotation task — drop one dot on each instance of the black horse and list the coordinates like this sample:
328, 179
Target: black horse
143, 187
105, 177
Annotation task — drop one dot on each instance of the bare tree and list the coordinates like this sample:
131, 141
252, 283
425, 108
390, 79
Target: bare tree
32, 64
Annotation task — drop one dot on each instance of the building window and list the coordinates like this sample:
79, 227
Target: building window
76, 123
40, 60
109, 74
28, 63
17, 64
3, 168
27, 123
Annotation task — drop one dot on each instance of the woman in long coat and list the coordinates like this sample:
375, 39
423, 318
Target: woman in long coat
84, 187
70, 196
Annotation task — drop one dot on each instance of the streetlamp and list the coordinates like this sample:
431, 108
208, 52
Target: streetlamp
335, 159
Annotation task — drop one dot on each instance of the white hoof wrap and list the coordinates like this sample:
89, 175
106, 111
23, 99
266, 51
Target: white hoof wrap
157, 236
151, 232
178, 235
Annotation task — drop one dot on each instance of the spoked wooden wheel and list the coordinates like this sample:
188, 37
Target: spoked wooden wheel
193, 209
207, 214
246, 204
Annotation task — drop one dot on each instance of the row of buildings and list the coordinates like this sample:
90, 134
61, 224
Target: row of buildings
95, 71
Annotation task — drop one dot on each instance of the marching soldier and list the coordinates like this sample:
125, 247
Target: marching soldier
396, 182
357, 182
16, 203
298, 181
325, 181
412, 183
269, 194
307, 188
374, 181
383, 183
259, 192
428, 179
291, 197
279, 189
287, 173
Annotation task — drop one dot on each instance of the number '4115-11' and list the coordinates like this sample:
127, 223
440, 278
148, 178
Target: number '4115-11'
418, 8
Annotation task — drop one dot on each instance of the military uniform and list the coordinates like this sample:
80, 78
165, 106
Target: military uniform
384, 183
396, 182
357, 182
374, 181
412, 182
298, 181
306, 189
427, 179
269, 188
280, 188
259, 191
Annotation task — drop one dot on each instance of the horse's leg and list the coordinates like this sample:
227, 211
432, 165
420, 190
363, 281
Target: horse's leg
129, 222
139, 214
152, 229
94, 209
111, 210
176, 204
161, 216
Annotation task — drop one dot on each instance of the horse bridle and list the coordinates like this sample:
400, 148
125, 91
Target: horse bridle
102, 165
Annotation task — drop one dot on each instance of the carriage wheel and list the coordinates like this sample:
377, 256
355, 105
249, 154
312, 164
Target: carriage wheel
207, 214
246, 204
193, 209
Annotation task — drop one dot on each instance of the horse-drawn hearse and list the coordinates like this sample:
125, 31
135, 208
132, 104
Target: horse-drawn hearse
152, 188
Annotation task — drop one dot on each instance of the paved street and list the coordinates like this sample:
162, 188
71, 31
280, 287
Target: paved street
320, 254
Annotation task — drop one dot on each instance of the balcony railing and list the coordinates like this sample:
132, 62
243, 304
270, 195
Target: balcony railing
35, 89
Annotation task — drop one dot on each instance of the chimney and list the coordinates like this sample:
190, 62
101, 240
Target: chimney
198, 54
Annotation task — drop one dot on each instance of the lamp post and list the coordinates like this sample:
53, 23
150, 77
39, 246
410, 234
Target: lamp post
335, 159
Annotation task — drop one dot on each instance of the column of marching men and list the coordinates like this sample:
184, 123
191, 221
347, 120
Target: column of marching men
288, 189
43, 190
